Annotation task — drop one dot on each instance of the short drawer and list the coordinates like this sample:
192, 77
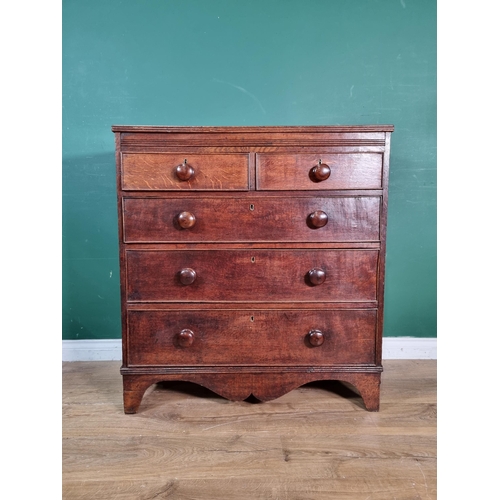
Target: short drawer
243, 337
277, 219
184, 171
299, 171
251, 275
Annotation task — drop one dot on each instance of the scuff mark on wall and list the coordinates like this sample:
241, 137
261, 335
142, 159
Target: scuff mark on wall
245, 91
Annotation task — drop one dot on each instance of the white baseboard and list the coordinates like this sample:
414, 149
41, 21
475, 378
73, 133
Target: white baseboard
111, 349
92, 350
409, 348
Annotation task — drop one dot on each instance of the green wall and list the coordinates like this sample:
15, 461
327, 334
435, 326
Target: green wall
253, 62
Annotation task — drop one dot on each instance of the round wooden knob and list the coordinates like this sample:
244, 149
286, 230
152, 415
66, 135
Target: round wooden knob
185, 338
316, 276
186, 220
315, 337
187, 276
318, 218
184, 171
321, 171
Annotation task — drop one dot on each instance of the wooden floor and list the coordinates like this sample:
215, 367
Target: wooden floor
317, 442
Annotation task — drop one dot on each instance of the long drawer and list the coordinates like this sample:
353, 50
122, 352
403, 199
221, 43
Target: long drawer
300, 171
236, 337
184, 171
251, 275
279, 219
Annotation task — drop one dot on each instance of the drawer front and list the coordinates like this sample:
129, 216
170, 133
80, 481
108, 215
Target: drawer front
159, 172
236, 337
324, 219
251, 275
304, 172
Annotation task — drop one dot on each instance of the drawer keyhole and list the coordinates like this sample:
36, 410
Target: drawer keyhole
252, 319
252, 207
253, 260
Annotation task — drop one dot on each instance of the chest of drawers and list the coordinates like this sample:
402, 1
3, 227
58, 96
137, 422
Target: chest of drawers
252, 258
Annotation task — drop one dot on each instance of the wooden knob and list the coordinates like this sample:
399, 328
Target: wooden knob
315, 337
185, 338
316, 276
318, 218
187, 276
321, 171
184, 171
186, 220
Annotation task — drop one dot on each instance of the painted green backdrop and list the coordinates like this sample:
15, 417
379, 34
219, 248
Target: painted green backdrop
246, 62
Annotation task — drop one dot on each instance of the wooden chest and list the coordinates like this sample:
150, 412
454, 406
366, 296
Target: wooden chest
252, 258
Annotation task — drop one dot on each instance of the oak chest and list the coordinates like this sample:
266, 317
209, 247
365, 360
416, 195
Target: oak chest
252, 258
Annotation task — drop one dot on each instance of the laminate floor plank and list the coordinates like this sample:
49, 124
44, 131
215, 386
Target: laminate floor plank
316, 442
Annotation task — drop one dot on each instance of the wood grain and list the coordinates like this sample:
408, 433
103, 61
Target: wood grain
212, 172
316, 442
293, 171
254, 220
251, 275
251, 337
